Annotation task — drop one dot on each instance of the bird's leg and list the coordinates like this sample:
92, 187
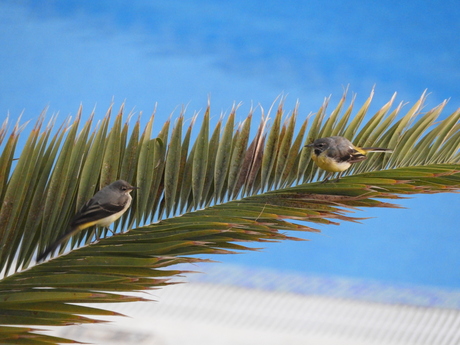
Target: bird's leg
97, 232
327, 177
338, 176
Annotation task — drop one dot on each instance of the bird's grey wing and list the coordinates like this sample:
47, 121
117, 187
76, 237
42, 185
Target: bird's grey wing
346, 154
93, 211
356, 156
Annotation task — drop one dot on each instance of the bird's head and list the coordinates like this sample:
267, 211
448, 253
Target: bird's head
320, 145
123, 186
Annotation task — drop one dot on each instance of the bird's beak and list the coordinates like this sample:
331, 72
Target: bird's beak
309, 145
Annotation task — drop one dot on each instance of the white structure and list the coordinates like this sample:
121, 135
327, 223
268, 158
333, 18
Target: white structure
203, 312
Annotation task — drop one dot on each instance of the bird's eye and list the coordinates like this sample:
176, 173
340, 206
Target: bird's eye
123, 188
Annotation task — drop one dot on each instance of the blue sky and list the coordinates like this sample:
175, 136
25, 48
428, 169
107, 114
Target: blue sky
60, 54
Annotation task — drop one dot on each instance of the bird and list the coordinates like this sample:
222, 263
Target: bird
337, 154
105, 207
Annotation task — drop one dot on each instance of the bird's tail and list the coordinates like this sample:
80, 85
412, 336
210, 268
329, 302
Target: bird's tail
56, 243
376, 149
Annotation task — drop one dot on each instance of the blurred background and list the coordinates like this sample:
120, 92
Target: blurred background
58, 55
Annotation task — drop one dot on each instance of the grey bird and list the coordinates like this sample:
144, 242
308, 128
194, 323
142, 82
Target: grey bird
105, 207
337, 154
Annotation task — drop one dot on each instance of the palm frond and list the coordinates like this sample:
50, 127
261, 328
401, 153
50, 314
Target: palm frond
215, 195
